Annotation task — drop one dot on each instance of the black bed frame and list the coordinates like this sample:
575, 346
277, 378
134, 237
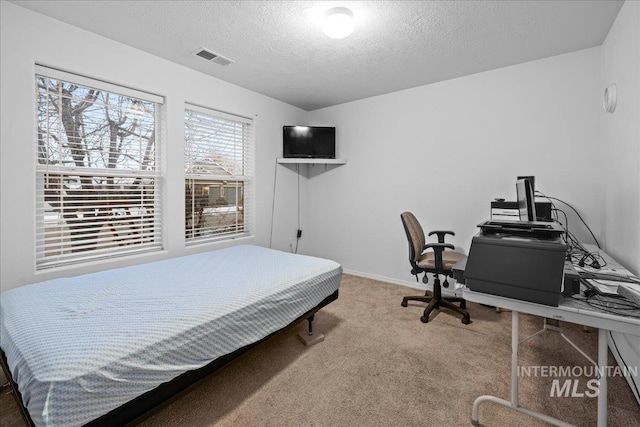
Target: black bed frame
142, 406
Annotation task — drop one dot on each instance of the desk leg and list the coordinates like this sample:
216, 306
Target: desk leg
602, 385
515, 347
513, 404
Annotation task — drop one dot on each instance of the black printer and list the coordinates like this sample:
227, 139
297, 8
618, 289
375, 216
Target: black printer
523, 260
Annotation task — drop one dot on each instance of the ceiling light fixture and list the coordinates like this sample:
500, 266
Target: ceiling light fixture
338, 22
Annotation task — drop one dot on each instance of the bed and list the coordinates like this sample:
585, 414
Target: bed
103, 348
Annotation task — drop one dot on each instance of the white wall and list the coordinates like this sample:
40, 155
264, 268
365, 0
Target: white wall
28, 38
620, 138
445, 150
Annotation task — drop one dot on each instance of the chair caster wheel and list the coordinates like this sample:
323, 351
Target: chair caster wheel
466, 320
424, 319
404, 303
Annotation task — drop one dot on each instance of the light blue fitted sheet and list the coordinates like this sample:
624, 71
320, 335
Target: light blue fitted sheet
79, 347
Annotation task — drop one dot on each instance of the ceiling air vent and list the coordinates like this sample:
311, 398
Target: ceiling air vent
213, 57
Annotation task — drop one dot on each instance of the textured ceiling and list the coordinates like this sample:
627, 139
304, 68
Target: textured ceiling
280, 50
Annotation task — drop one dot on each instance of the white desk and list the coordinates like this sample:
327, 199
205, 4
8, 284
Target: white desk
569, 311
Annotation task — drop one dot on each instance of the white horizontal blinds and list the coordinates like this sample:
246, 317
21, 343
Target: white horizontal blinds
97, 171
104, 86
218, 169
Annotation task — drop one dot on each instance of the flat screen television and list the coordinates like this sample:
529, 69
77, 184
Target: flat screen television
309, 142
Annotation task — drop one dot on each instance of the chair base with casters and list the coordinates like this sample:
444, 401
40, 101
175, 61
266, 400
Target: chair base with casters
435, 301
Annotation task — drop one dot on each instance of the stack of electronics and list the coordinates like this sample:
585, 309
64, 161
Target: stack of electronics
522, 259
508, 210
527, 207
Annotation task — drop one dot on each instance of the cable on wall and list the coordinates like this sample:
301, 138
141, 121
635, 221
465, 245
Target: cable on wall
273, 202
298, 232
577, 254
577, 213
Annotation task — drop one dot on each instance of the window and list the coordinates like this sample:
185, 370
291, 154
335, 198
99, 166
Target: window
218, 175
97, 170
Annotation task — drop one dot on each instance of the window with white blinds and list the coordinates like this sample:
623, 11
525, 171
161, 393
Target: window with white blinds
218, 184
98, 171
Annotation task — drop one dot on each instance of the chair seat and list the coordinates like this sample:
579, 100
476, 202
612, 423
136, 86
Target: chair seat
449, 259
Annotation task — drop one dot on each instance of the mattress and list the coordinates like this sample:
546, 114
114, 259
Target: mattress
79, 347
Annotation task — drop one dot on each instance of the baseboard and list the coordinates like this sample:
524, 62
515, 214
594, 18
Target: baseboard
409, 284
415, 285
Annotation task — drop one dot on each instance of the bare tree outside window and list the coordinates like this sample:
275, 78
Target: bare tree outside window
96, 171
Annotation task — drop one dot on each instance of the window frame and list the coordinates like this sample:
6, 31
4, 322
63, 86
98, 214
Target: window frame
134, 208
244, 179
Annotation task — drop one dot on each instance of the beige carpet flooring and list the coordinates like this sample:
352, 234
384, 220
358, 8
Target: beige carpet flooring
380, 366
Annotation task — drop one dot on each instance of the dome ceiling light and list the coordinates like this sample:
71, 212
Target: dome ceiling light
338, 22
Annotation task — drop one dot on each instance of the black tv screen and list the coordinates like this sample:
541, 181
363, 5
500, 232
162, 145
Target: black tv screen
310, 142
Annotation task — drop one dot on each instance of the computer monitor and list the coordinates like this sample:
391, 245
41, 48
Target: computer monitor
526, 200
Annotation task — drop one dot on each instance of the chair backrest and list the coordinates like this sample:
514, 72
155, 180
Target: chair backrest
415, 235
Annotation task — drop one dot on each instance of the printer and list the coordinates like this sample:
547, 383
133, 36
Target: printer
524, 260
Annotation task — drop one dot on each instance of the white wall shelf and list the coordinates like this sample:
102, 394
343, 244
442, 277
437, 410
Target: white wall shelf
289, 160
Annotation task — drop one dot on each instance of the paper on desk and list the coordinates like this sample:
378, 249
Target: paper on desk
605, 286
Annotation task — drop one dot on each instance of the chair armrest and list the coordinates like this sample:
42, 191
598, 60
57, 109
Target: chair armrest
441, 234
438, 248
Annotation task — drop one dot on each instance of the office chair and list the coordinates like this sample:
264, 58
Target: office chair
438, 261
